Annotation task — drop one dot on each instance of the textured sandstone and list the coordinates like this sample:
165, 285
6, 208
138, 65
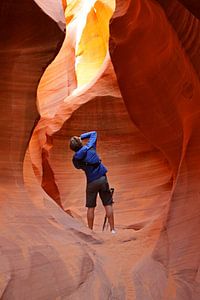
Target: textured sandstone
162, 97
149, 140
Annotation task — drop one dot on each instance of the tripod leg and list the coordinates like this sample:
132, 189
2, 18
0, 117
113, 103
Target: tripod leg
104, 223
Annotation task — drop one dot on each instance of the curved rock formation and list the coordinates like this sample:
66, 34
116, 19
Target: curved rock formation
38, 240
162, 97
148, 140
186, 26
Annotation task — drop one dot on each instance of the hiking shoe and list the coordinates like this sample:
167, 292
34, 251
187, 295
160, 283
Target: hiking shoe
113, 231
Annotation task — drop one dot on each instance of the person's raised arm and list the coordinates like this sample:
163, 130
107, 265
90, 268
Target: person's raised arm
92, 135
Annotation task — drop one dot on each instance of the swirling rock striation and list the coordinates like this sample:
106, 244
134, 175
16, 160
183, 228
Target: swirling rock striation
187, 27
39, 253
161, 93
149, 140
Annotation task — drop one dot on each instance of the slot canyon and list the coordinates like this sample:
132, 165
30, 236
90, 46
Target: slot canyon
128, 69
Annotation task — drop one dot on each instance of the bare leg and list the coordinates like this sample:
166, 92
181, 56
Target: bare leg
110, 216
90, 217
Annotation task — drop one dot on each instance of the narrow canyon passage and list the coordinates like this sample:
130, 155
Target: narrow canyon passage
132, 165
66, 68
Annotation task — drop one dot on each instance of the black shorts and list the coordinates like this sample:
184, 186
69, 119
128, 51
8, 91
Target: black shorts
100, 186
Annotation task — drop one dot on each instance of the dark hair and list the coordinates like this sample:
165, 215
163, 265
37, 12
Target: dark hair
75, 143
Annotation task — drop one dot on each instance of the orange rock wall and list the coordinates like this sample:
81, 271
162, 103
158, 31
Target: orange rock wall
161, 90
187, 27
34, 263
149, 140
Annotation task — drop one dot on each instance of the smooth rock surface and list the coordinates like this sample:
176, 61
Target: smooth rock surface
149, 140
162, 97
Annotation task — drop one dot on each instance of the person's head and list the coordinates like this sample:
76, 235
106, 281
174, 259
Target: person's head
75, 143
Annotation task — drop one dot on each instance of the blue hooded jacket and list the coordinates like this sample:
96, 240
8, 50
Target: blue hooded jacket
87, 159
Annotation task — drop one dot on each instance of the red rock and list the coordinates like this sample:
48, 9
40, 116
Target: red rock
149, 141
161, 93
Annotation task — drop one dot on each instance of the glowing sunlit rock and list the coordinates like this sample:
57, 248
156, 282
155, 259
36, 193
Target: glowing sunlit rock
54, 8
149, 140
